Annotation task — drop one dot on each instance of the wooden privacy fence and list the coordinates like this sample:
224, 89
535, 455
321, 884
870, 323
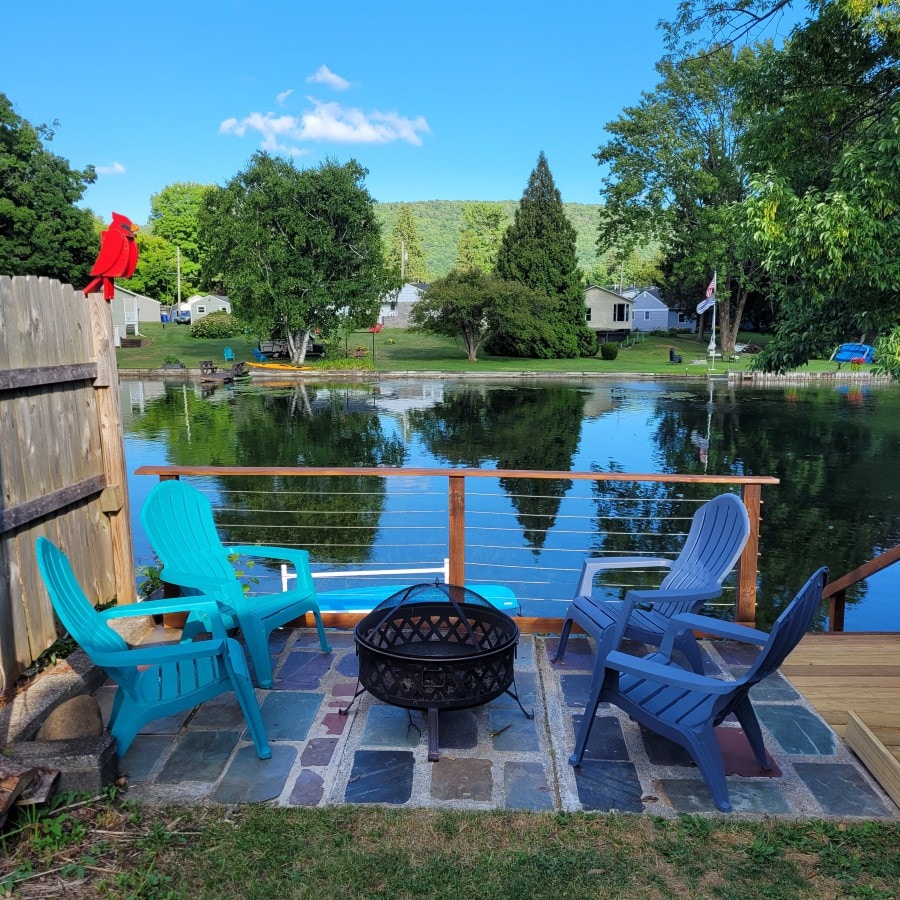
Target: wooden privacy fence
62, 464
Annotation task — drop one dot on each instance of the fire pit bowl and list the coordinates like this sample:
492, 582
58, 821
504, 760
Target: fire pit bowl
434, 647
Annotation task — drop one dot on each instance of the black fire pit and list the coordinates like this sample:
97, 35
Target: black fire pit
434, 647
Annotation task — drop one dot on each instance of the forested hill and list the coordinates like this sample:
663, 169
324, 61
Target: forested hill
441, 221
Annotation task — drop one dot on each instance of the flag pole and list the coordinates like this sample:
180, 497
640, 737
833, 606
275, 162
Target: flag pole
712, 338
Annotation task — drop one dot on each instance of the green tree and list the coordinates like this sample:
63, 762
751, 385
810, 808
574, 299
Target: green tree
674, 177
41, 230
474, 306
538, 250
405, 256
155, 275
479, 241
299, 250
175, 217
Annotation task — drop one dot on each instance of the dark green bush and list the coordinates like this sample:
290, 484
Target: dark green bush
608, 351
216, 325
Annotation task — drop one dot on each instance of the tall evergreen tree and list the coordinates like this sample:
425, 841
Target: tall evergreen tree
479, 241
405, 257
538, 250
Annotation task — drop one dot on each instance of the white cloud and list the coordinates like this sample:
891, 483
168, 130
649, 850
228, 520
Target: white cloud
283, 96
329, 122
115, 169
324, 75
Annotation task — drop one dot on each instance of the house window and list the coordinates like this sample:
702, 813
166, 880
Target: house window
646, 315
620, 312
201, 310
682, 318
587, 315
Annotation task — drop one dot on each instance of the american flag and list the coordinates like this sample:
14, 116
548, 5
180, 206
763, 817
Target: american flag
711, 289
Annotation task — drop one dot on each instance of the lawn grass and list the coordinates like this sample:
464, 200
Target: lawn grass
111, 847
399, 350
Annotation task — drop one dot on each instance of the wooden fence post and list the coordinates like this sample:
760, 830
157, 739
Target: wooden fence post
745, 605
457, 529
114, 500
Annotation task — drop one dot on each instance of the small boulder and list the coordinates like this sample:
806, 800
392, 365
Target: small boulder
79, 717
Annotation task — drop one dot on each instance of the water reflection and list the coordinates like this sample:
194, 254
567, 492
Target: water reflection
834, 449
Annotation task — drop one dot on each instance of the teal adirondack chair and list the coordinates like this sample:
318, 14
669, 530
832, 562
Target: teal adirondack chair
229, 354
179, 522
158, 681
718, 533
685, 707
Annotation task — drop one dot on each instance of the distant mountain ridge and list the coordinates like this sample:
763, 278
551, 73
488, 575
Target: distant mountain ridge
441, 221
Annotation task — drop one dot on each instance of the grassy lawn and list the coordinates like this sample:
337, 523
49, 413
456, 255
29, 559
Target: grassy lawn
119, 849
396, 350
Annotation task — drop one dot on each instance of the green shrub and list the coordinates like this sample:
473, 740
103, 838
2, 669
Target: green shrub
216, 325
608, 351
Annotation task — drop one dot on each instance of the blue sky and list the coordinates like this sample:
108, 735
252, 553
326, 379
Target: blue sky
448, 101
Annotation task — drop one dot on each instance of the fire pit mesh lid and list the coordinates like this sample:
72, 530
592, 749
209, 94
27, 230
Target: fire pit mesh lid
383, 625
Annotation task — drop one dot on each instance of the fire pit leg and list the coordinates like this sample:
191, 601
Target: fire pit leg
433, 752
359, 690
512, 693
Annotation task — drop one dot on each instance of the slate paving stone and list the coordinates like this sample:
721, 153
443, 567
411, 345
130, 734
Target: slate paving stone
318, 752
606, 740
525, 786
736, 653
334, 723
307, 789
457, 729
380, 776
525, 686
579, 654
690, 795
576, 689
841, 789
525, 652
302, 671
607, 785
796, 729
288, 715
167, 725
199, 756
348, 665
347, 689
511, 730
143, 755
462, 779
773, 688
663, 752
223, 711
393, 726
250, 779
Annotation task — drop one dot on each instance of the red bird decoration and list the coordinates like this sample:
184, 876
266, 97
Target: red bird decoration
117, 257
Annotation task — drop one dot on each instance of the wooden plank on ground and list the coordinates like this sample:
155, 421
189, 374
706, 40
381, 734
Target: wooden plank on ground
877, 758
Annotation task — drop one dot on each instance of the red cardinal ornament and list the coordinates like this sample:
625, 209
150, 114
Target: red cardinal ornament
117, 257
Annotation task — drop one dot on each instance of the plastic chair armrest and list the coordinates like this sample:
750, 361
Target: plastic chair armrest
153, 656
719, 628
654, 597
205, 607
591, 566
667, 675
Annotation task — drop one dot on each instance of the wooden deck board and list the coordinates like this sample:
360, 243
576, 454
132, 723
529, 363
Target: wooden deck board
837, 673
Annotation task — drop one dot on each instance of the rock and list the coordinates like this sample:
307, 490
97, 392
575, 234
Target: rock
79, 717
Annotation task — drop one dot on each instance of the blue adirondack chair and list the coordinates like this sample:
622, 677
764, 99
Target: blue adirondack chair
258, 355
153, 682
685, 707
717, 536
179, 522
229, 354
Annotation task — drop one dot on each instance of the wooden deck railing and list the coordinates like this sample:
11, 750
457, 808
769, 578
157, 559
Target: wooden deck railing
750, 486
836, 591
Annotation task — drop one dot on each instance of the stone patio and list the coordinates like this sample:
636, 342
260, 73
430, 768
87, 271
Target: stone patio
492, 757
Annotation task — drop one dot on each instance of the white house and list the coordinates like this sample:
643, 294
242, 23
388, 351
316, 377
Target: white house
650, 313
202, 306
129, 309
396, 306
607, 313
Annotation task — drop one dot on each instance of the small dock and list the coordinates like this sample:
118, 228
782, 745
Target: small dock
840, 672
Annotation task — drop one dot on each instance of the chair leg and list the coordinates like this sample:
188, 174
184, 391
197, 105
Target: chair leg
705, 750
124, 727
246, 696
746, 715
587, 723
688, 645
257, 642
320, 627
563, 640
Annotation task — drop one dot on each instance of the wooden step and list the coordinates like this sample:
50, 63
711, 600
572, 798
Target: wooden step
878, 747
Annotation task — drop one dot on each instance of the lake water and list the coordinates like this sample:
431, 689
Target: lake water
835, 449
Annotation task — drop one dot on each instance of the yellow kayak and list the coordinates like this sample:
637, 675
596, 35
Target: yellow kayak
278, 367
